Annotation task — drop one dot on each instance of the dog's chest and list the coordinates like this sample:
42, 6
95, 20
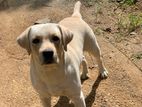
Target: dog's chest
50, 83
50, 90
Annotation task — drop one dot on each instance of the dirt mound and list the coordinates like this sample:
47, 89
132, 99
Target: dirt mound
123, 88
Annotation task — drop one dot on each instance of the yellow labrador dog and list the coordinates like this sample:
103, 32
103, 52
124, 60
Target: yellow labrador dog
56, 54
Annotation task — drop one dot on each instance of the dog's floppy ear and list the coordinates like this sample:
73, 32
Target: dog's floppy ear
66, 36
23, 40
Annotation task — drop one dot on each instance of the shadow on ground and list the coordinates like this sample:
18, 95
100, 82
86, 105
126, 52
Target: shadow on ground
92, 95
34, 4
64, 101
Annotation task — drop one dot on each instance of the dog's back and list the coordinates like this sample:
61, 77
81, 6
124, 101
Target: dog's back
79, 27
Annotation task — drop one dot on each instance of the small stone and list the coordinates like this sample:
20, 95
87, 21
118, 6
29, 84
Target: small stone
108, 29
133, 33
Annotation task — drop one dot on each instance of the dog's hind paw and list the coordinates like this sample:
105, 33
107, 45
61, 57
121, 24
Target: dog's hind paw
104, 74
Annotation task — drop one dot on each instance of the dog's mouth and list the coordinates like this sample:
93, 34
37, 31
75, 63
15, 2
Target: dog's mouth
51, 61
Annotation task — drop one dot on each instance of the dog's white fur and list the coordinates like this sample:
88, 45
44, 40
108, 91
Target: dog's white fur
62, 76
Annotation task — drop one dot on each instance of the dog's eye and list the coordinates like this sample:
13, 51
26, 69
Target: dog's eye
55, 39
36, 41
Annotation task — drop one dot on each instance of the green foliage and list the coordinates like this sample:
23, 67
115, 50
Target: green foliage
128, 2
135, 22
89, 2
137, 56
129, 23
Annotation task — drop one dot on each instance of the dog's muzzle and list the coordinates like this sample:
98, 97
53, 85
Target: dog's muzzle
48, 56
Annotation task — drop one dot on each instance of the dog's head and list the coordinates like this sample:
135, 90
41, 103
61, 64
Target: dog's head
45, 42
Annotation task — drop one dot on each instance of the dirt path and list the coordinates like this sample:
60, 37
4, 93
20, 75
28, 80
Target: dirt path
123, 88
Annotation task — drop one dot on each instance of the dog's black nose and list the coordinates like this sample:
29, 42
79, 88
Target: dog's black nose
48, 56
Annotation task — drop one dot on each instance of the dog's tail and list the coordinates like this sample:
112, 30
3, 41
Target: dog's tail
76, 12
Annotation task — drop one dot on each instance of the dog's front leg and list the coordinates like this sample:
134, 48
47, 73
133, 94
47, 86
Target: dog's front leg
85, 69
79, 101
46, 101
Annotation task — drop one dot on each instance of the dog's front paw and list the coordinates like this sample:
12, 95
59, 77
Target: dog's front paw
104, 74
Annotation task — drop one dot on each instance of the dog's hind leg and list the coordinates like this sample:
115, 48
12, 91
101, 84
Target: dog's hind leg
92, 46
102, 69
